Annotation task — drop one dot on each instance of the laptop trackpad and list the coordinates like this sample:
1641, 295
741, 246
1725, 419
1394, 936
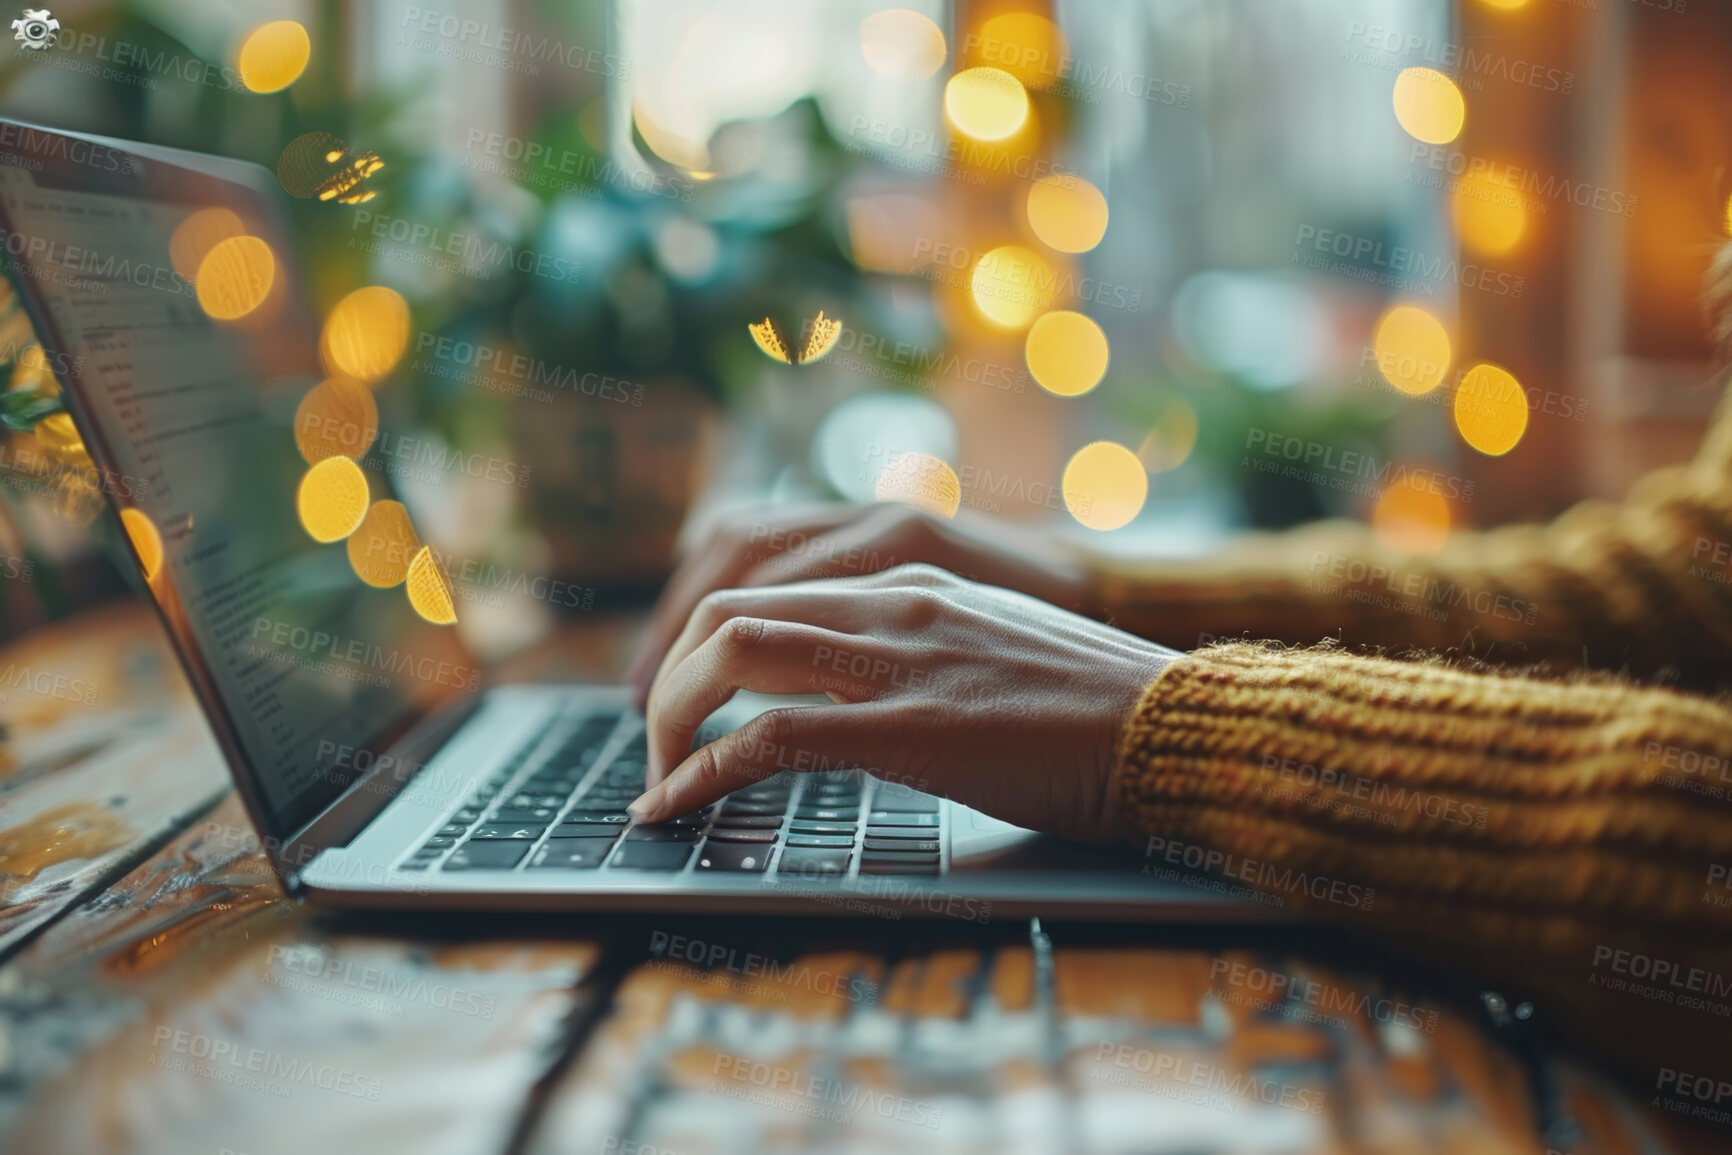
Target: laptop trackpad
980, 842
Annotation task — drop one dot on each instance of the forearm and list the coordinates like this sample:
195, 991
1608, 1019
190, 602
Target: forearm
1611, 587
1526, 827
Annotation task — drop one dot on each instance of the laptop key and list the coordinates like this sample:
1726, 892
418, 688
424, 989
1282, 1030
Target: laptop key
810, 814
825, 841
499, 855
581, 830
812, 863
597, 817
466, 815
727, 835
900, 818
570, 854
905, 801
660, 833
489, 831
653, 855
924, 845
752, 809
438, 843
540, 814
749, 822
798, 827
903, 833
742, 858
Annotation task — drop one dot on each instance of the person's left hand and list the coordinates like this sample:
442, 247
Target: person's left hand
989, 697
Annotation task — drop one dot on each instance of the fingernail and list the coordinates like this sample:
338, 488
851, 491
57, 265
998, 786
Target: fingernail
647, 805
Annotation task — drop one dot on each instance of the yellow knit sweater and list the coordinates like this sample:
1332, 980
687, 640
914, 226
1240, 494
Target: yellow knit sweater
1568, 835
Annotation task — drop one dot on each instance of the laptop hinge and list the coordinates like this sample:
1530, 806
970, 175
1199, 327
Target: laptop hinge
364, 798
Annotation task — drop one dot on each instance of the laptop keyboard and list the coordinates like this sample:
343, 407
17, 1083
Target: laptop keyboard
557, 811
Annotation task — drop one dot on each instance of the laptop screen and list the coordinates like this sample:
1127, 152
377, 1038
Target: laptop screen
187, 402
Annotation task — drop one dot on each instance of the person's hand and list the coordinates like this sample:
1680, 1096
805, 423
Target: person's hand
990, 697
747, 550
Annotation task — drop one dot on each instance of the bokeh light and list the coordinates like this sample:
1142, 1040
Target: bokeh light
146, 541
1491, 409
856, 438
985, 103
902, 44
366, 334
1429, 105
1169, 444
317, 164
1489, 215
1104, 485
1067, 213
383, 545
1506, 5
1067, 353
921, 480
332, 499
1409, 516
1027, 45
235, 277
430, 590
194, 238
274, 56
1412, 349
337, 418
1008, 286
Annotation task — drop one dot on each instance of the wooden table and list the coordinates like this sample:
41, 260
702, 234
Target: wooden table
160, 994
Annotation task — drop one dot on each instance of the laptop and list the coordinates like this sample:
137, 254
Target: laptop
379, 766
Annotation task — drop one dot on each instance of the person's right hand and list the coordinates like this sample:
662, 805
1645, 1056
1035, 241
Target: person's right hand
773, 547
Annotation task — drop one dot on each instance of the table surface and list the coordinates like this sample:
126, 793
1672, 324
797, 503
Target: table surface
160, 994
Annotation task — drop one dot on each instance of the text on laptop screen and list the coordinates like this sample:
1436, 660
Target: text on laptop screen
191, 421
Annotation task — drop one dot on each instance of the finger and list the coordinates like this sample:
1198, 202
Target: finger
719, 564
800, 735
830, 605
770, 657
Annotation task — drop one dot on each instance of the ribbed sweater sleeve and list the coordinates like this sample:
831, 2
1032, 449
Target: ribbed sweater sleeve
1483, 816
1643, 585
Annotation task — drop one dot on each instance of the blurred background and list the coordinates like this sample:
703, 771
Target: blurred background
1146, 272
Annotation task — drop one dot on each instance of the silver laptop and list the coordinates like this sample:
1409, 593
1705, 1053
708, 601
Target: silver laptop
379, 769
